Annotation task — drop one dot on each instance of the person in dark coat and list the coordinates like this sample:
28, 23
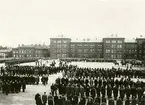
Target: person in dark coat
23, 86
82, 101
44, 98
39, 101
115, 92
122, 92
128, 92
134, 101
93, 92
127, 102
56, 100
50, 99
119, 101
98, 91
111, 101
68, 102
103, 91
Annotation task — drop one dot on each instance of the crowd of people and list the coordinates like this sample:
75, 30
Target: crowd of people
14, 78
87, 86
78, 86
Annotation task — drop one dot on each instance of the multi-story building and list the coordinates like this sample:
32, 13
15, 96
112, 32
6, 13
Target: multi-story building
113, 48
30, 51
109, 48
140, 48
59, 47
86, 50
130, 50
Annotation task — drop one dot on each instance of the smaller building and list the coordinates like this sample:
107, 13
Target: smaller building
5, 52
30, 51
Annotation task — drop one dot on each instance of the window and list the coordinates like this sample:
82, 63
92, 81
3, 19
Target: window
79, 45
92, 46
113, 41
92, 50
58, 50
119, 46
63, 55
58, 46
108, 51
107, 46
113, 46
86, 45
72, 45
107, 41
86, 50
113, 51
54, 41
99, 46
80, 50
85, 55
59, 41
72, 50
64, 46
64, 41
58, 55
119, 41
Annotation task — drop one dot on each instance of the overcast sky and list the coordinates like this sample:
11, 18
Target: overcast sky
35, 21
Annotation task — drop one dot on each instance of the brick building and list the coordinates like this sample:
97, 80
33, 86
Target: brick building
113, 48
140, 48
30, 51
86, 50
108, 48
59, 47
130, 50
5, 52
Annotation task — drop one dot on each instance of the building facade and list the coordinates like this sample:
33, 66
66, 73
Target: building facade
59, 47
140, 48
130, 50
25, 51
5, 52
86, 50
108, 48
113, 48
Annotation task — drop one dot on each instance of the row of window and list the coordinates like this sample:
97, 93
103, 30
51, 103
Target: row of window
113, 51
114, 46
59, 41
26, 51
114, 41
86, 55
85, 45
26, 56
114, 56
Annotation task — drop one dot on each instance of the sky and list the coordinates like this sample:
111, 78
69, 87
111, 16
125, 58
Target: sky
35, 21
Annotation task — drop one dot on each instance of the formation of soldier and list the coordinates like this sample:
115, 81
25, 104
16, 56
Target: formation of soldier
86, 86
13, 79
11, 84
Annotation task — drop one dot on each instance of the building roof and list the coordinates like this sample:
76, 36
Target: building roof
61, 38
140, 38
113, 37
33, 46
88, 40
